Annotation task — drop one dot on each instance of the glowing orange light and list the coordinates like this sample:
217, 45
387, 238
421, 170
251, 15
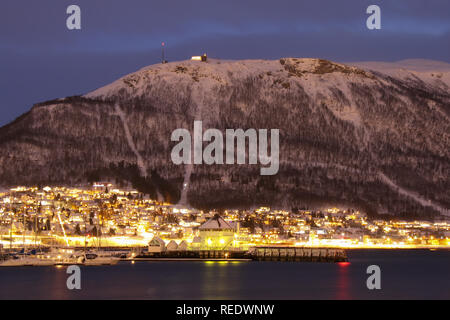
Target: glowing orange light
343, 264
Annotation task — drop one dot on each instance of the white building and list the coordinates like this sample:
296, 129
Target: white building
156, 245
202, 58
216, 234
172, 246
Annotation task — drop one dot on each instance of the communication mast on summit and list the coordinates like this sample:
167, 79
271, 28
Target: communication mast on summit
163, 59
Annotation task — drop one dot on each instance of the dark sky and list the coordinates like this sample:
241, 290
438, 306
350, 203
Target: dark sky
40, 59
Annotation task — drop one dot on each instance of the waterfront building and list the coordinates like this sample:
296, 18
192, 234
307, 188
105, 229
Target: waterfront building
182, 246
156, 245
172, 246
216, 234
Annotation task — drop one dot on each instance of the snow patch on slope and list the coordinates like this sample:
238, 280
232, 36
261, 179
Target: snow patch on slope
412, 195
129, 138
200, 97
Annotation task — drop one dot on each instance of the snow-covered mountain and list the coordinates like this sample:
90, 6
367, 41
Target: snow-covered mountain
435, 73
371, 135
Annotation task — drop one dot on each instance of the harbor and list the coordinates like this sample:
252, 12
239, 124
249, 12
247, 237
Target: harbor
111, 256
269, 253
102, 225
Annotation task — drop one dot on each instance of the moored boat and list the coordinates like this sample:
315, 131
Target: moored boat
94, 259
21, 261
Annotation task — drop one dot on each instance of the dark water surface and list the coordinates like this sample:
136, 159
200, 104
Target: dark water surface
405, 274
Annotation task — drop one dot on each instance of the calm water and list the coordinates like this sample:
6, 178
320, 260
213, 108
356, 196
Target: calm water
417, 274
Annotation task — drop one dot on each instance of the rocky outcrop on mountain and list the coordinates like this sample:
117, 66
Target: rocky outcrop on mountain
349, 136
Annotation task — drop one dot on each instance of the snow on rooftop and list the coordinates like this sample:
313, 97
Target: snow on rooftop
216, 223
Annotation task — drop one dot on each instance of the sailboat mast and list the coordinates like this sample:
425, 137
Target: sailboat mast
10, 230
23, 231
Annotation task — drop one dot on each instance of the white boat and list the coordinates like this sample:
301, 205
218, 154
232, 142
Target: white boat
67, 260
94, 259
21, 261
61, 257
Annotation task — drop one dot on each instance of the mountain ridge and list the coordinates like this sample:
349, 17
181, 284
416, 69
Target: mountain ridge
349, 135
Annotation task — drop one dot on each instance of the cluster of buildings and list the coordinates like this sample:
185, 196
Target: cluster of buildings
103, 215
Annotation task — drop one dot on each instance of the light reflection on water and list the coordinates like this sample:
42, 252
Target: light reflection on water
343, 282
412, 274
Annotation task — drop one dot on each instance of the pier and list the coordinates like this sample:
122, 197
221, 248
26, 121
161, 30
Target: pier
264, 253
302, 254
287, 254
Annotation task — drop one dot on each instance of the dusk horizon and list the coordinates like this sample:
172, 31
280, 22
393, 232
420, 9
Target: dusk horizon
118, 39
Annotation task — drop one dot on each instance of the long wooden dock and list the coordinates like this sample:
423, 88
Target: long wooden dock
299, 254
292, 254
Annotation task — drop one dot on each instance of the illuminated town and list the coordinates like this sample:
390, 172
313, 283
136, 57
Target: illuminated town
102, 215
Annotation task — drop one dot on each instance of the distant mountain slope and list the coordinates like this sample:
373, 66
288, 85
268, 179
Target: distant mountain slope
436, 73
420, 65
348, 135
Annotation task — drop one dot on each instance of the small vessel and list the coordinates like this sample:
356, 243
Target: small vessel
59, 257
94, 259
71, 257
66, 260
23, 260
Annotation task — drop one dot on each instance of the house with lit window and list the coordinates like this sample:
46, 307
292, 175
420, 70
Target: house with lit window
202, 58
215, 234
156, 245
